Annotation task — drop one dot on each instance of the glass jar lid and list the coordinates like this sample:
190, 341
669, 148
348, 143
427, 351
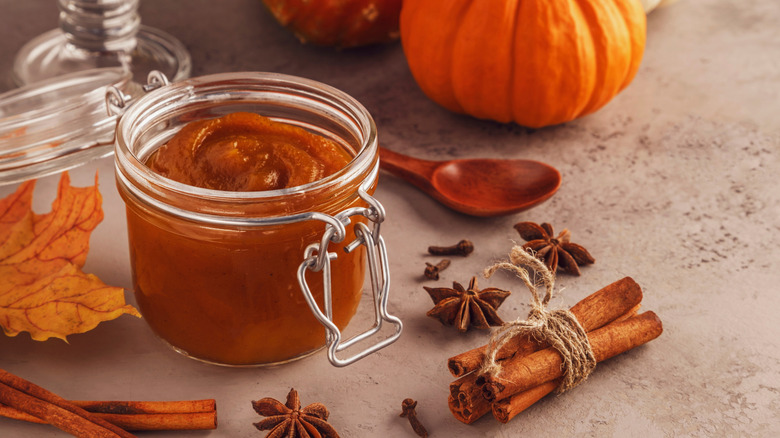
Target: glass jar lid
57, 124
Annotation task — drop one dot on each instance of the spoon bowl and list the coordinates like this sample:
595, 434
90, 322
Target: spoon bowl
477, 187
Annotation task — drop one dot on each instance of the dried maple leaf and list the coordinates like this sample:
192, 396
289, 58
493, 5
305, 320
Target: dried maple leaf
42, 288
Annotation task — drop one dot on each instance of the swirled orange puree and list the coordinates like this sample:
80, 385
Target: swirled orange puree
247, 152
231, 294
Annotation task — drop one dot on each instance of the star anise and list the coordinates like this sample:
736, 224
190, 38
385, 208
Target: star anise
554, 251
467, 307
290, 421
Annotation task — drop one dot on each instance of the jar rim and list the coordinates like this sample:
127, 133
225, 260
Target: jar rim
131, 168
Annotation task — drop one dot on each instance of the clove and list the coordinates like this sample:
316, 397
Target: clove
462, 248
407, 410
432, 271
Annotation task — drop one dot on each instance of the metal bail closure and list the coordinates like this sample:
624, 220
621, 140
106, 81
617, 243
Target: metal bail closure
154, 80
117, 101
318, 258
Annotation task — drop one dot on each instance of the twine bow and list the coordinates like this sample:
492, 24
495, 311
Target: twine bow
557, 328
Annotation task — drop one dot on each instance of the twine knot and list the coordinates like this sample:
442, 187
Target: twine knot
557, 328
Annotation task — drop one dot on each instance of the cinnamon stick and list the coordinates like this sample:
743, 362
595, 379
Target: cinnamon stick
521, 374
148, 407
466, 401
141, 415
38, 402
506, 409
594, 311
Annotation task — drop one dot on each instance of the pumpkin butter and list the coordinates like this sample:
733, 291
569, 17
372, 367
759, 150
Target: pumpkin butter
247, 152
228, 294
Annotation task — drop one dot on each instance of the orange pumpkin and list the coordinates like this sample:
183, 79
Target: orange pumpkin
534, 62
340, 23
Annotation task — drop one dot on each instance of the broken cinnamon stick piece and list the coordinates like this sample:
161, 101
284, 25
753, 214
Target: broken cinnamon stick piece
593, 312
147, 407
136, 422
38, 402
127, 415
521, 374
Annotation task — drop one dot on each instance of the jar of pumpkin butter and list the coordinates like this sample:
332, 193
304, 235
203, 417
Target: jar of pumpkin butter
250, 217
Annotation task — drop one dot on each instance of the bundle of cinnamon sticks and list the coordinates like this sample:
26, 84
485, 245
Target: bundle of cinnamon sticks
23, 400
531, 370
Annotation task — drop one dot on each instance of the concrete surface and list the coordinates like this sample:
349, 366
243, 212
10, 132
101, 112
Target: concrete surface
674, 183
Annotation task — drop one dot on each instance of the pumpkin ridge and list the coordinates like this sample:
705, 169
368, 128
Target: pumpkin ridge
555, 73
513, 68
429, 49
602, 89
588, 56
469, 4
635, 46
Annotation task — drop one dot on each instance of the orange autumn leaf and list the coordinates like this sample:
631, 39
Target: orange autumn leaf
42, 288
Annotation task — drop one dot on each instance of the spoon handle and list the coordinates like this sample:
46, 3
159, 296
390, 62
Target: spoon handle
414, 170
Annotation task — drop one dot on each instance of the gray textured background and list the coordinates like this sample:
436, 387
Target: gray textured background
674, 183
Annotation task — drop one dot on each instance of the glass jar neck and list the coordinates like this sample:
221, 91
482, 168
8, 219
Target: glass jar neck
100, 25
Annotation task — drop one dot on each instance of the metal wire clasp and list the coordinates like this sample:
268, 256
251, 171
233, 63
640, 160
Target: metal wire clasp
117, 101
317, 258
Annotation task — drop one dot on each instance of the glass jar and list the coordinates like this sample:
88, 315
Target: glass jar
58, 124
99, 34
253, 278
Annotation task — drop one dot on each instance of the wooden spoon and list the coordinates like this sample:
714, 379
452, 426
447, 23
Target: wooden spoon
477, 187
